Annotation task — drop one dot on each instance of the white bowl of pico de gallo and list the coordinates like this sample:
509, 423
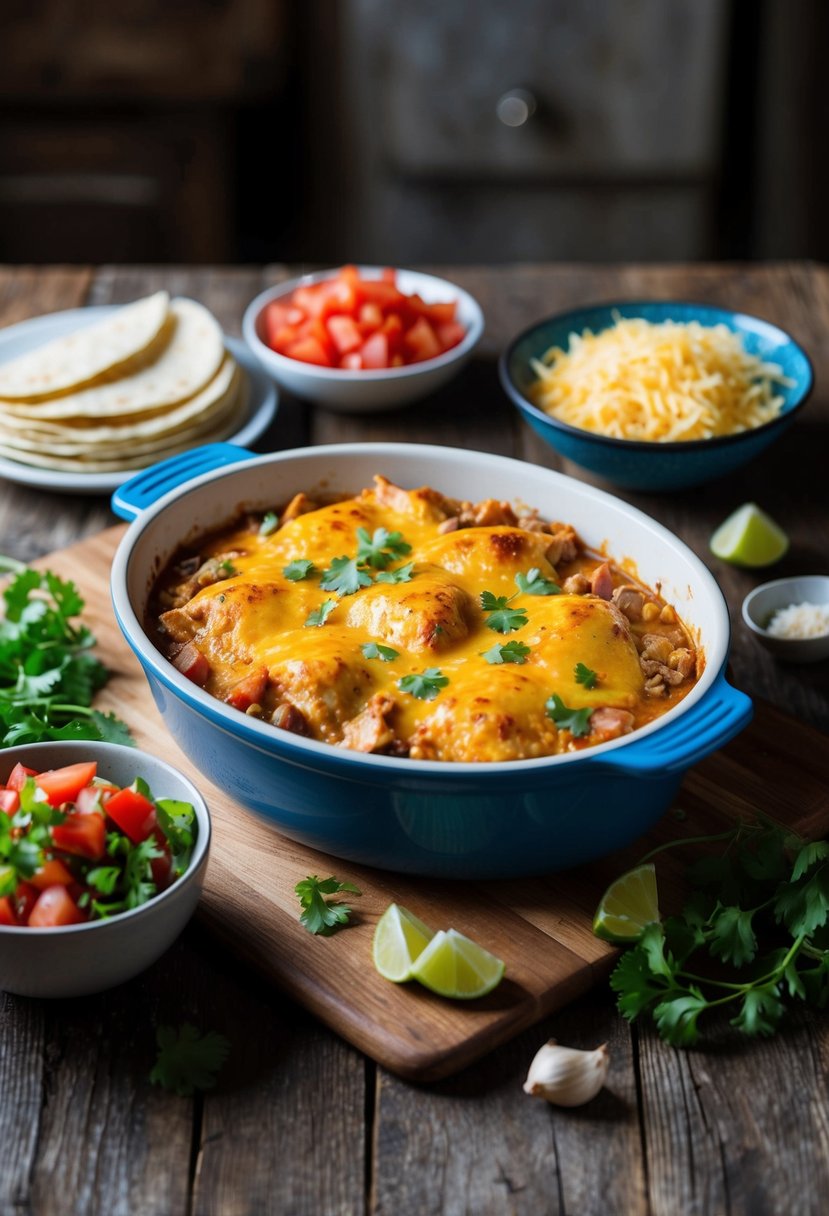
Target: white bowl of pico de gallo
103, 852
363, 338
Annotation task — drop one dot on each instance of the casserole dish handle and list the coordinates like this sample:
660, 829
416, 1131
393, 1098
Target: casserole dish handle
141, 491
717, 717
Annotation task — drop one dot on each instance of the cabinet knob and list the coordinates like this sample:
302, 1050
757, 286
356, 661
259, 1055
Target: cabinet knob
516, 107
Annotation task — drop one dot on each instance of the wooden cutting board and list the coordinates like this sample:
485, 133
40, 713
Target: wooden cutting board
541, 927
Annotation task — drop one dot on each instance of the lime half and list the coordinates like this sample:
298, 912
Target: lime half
749, 537
455, 966
627, 906
398, 940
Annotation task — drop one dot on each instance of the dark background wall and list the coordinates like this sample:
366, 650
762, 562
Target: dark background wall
381, 130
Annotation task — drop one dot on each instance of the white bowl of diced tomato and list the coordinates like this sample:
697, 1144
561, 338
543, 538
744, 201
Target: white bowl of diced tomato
103, 851
363, 337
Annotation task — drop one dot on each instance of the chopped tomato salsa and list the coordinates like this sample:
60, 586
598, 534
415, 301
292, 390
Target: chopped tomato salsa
354, 323
74, 847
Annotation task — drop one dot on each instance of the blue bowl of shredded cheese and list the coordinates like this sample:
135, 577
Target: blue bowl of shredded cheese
657, 395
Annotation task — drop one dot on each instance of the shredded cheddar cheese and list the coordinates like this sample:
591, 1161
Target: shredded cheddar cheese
658, 382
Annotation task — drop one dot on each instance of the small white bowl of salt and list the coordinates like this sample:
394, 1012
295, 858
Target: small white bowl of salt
790, 616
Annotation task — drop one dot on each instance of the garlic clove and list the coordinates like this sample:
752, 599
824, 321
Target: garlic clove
566, 1076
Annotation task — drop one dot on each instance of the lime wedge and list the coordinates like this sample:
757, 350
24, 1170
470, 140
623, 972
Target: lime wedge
398, 940
749, 537
453, 965
627, 906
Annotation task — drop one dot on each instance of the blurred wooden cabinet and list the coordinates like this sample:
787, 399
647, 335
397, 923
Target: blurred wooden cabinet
118, 124
529, 129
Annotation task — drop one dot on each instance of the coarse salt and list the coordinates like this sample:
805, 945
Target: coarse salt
800, 621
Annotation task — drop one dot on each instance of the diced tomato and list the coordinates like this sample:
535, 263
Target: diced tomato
335, 323
17, 777
249, 690
52, 874
162, 867
55, 906
191, 663
344, 334
9, 801
133, 813
92, 798
7, 916
284, 337
370, 317
64, 784
441, 313
392, 327
309, 350
25, 897
450, 334
421, 341
375, 351
83, 835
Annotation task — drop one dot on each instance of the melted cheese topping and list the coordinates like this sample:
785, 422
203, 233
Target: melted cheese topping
254, 622
662, 382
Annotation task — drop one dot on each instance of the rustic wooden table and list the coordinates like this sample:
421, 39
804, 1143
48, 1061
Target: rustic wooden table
303, 1124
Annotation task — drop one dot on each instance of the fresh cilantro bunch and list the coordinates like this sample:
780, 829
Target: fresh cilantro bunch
187, 1059
48, 678
752, 938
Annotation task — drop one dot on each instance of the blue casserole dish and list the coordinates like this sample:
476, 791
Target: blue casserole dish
426, 817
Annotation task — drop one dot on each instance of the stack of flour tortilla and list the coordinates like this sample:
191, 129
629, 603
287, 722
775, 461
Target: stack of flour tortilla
150, 380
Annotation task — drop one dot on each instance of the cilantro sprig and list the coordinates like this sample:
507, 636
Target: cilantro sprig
344, 576
298, 569
534, 583
48, 678
320, 615
585, 675
500, 616
507, 652
187, 1059
751, 940
374, 650
577, 721
318, 914
381, 549
424, 685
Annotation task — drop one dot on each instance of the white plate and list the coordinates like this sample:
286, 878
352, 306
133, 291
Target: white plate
19, 339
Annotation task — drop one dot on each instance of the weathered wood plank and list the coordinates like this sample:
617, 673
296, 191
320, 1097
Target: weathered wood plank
22, 1067
284, 1133
738, 1128
479, 1146
91, 1133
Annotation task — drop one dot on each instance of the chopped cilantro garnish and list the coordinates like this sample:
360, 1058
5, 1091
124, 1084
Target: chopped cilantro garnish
534, 583
269, 524
500, 616
373, 650
585, 675
403, 574
298, 569
187, 1059
507, 652
577, 721
380, 549
318, 915
424, 686
320, 615
344, 576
